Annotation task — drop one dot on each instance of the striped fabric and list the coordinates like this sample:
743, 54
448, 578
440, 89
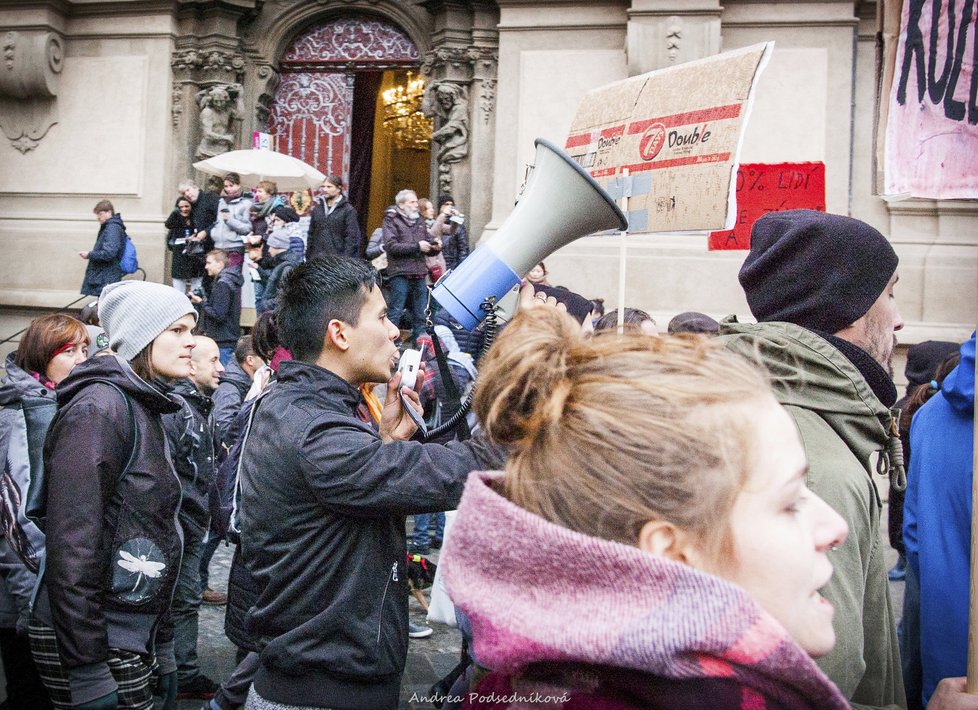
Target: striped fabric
133, 673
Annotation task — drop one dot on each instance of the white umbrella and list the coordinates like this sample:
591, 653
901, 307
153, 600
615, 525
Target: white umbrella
286, 172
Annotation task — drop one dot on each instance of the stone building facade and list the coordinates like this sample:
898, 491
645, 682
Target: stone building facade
105, 99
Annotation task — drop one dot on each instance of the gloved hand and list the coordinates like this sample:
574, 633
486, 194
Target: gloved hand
168, 690
106, 702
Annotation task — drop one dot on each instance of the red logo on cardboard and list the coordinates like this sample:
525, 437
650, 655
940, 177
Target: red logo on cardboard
652, 141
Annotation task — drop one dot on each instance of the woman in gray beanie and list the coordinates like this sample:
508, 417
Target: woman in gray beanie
109, 507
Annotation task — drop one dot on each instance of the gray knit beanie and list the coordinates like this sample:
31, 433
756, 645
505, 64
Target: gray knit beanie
133, 313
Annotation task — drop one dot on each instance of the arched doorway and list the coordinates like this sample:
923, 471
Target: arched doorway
328, 109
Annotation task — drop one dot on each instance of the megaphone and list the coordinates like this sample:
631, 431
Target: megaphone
560, 203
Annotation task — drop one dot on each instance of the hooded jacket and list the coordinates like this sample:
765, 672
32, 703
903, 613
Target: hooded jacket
191, 444
103, 259
937, 520
113, 544
336, 232
322, 517
600, 624
847, 434
229, 235
228, 398
222, 310
284, 263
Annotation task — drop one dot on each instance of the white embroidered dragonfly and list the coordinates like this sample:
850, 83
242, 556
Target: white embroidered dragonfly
141, 566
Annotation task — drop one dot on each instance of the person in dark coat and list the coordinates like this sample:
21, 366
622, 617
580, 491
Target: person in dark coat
324, 495
407, 242
204, 203
103, 258
284, 260
451, 230
111, 498
221, 311
187, 253
333, 225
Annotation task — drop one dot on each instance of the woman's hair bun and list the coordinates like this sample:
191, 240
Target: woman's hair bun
523, 383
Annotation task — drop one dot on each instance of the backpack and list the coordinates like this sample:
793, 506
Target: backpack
129, 262
34, 509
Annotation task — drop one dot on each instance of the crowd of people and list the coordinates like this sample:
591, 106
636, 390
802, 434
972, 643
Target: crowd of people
645, 519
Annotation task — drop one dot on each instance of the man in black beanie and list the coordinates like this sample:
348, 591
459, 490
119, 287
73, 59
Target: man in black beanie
821, 288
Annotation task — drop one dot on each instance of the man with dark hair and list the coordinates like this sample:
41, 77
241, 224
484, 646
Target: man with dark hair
333, 225
325, 492
821, 287
221, 311
103, 258
204, 207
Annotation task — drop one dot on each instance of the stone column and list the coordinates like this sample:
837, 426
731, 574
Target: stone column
666, 32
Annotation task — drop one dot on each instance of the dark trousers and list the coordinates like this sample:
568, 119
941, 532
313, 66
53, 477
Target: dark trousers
207, 552
185, 610
25, 691
409, 292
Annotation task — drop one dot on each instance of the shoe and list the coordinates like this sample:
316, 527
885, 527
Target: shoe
436, 543
419, 549
899, 571
200, 687
214, 598
417, 631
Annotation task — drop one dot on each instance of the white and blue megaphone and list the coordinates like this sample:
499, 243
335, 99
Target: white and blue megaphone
560, 203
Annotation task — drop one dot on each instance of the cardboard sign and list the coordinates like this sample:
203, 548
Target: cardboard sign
670, 139
763, 188
931, 110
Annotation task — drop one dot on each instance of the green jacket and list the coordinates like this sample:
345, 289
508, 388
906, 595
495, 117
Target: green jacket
847, 433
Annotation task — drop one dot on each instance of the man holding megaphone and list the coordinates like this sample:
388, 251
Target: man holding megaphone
407, 243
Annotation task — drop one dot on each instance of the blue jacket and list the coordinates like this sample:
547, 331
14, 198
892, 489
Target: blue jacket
103, 259
937, 520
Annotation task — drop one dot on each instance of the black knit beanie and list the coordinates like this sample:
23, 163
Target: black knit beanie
924, 358
820, 271
442, 199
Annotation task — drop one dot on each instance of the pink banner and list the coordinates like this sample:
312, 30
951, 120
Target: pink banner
932, 124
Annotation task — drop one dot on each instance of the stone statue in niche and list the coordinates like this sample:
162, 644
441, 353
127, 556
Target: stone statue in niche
450, 104
220, 106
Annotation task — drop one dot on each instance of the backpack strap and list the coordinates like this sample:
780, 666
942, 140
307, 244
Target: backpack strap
133, 425
232, 521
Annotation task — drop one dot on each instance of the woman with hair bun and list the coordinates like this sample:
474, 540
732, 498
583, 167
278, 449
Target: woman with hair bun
110, 501
651, 543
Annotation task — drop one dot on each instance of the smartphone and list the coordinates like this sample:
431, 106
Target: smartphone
409, 366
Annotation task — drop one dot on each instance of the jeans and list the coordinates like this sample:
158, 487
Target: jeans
185, 609
405, 291
184, 285
422, 522
226, 354
207, 552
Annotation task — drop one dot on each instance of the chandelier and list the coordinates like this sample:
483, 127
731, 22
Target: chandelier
402, 115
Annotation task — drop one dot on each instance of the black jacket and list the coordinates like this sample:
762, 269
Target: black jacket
283, 264
402, 238
113, 545
334, 233
204, 211
227, 398
222, 309
103, 259
322, 516
455, 246
191, 441
183, 266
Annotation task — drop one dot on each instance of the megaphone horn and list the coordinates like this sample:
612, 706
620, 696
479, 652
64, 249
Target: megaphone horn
560, 203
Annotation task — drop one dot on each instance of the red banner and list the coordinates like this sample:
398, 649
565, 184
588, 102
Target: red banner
763, 188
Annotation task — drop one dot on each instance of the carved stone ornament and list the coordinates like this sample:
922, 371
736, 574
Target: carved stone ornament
435, 59
488, 101
484, 58
30, 71
674, 37
449, 104
216, 59
220, 106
